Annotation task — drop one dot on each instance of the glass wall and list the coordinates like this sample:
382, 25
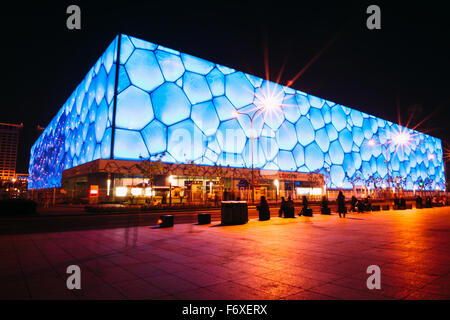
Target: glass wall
189, 110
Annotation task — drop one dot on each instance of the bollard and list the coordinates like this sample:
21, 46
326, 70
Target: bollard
165, 221
204, 218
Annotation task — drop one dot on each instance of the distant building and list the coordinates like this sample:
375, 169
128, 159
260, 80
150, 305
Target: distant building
9, 140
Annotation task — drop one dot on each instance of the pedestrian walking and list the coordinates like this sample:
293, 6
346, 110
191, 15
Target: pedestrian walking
341, 204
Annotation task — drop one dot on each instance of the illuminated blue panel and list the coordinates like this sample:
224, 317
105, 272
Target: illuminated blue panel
336, 152
316, 118
338, 117
313, 157
337, 175
349, 165
299, 155
134, 109
170, 64
205, 117
284, 136
101, 120
238, 89
170, 104
346, 140
105, 147
143, 70
286, 161
196, 87
269, 146
155, 137
290, 108
258, 155
216, 81
224, 108
322, 139
129, 145
294, 132
196, 65
185, 141
305, 131
231, 137
303, 104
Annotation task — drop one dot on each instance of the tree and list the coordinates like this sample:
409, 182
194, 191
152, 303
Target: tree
151, 167
355, 179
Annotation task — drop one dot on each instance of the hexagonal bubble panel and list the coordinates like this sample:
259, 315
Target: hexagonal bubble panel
170, 64
337, 175
315, 101
170, 104
381, 166
225, 70
141, 44
299, 155
245, 116
143, 70
196, 65
305, 131
134, 109
205, 117
224, 108
284, 136
238, 89
349, 165
326, 113
316, 118
357, 118
269, 147
231, 137
186, 141
313, 157
216, 81
129, 145
273, 118
196, 87
286, 161
303, 104
322, 139
336, 153
258, 159
290, 108
358, 136
155, 137
338, 117
346, 140
101, 120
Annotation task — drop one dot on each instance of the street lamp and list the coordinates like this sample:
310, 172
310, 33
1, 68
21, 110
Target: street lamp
170, 190
267, 105
277, 185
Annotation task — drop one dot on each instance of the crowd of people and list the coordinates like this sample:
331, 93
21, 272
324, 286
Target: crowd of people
356, 205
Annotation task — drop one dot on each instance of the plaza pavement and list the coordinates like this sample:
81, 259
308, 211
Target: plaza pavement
322, 257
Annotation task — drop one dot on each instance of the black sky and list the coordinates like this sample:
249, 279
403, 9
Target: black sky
405, 66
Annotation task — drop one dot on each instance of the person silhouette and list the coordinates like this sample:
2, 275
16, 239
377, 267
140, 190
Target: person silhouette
341, 204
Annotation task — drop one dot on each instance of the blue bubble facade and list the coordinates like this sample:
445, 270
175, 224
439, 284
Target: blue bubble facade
193, 110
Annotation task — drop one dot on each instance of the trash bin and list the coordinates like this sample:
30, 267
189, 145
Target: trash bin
165, 221
204, 218
234, 212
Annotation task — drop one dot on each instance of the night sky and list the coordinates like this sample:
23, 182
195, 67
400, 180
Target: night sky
401, 70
